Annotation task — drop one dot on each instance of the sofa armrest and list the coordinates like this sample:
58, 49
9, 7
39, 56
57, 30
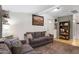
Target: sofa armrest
51, 35
26, 41
23, 41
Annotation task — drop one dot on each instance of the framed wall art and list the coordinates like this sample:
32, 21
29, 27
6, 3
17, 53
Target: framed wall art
37, 20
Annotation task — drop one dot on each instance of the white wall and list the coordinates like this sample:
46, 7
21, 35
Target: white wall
50, 24
21, 23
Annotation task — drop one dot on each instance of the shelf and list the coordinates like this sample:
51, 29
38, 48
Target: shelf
64, 30
64, 34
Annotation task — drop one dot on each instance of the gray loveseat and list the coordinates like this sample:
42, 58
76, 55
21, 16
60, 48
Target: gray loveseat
39, 38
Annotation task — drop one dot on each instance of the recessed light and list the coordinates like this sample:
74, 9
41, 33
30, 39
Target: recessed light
50, 21
74, 21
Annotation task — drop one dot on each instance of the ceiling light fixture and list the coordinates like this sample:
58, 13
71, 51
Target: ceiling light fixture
56, 9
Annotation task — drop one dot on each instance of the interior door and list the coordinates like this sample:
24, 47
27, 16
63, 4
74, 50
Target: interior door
77, 31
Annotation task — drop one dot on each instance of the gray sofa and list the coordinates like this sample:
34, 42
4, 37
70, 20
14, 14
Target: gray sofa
39, 38
15, 46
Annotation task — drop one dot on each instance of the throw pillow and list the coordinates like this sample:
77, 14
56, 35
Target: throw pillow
29, 36
46, 34
16, 46
27, 40
16, 43
7, 41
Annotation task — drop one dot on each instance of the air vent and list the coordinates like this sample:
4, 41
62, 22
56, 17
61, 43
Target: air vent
74, 11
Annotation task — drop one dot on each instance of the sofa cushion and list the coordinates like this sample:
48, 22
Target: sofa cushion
26, 40
26, 48
4, 49
39, 40
37, 34
42, 38
16, 50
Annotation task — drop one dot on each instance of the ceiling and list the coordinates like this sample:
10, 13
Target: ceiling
65, 10
43, 9
26, 8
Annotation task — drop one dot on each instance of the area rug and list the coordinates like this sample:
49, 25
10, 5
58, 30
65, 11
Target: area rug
57, 47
